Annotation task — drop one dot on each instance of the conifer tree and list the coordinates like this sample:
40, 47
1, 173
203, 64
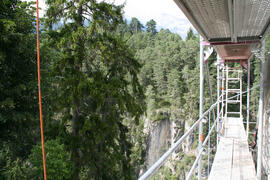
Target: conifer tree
135, 26
190, 35
18, 97
96, 86
151, 26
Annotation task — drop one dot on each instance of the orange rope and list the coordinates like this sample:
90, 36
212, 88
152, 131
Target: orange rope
39, 97
201, 137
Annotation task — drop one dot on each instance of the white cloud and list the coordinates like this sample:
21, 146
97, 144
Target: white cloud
165, 12
42, 6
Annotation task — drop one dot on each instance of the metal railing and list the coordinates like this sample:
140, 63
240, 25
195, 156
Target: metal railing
207, 139
150, 172
208, 136
165, 156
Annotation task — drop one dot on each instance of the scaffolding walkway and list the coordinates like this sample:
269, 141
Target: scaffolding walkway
233, 160
237, 31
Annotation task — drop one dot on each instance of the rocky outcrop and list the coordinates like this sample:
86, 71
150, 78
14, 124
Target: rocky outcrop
163, 133
158, 141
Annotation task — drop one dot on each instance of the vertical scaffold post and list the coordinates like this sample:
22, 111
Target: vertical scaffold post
227, 87
201, 106
248, 93
260, 122
241, 89
222, 92
218, 94
209, 142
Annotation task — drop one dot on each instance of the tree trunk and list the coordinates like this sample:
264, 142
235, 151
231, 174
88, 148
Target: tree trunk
75, 156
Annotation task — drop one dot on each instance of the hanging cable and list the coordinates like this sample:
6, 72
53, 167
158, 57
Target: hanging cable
39, 97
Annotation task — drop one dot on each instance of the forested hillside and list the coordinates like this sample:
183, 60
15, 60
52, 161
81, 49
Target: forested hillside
170, 78
110, 88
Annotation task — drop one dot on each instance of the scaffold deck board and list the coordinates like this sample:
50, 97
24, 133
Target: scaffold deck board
233, 161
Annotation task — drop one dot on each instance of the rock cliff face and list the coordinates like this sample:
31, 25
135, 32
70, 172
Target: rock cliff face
162, 134
159, 140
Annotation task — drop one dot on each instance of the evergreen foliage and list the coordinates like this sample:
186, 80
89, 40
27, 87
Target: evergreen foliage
97, 84
151, 26
190, 34
18, 97
57, 160
99, 75
135, 26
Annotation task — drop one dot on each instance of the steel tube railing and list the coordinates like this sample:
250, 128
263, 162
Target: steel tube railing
149, 173
200, 152
208, 136
164, 157
201, 103
260, 113
243, 92
209, 142
218, 93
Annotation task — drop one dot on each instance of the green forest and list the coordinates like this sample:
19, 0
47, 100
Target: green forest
102, 78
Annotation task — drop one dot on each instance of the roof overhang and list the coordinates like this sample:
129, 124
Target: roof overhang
232, 52
230, 25
239, 50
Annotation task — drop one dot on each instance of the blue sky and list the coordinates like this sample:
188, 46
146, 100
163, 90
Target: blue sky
164, 12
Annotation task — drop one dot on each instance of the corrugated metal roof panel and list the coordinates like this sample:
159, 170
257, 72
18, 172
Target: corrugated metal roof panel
211, 16
225, 20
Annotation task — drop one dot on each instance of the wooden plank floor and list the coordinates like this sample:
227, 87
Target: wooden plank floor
233, 161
